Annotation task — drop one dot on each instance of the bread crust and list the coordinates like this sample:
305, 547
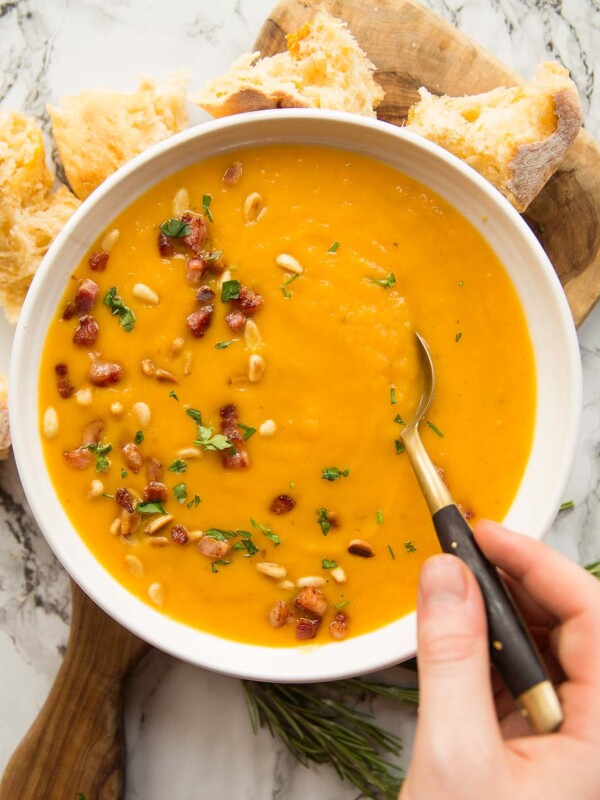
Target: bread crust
250, 99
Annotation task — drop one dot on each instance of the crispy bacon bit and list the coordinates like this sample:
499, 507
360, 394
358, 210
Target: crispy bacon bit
79, 459
195, 237
105, 373
165, 246
155, 491
282, 504
232, 174
86, 295
194, 270
236, 321
98, 261
333, 519
279, 614
92, 432
154, 469
180, 534
63, 384
198, 321
339, 627
358, 547
230, 428
249, 302
205, 294
86, 332
133, 457
307, 628
311, 600
213, 548
124, 499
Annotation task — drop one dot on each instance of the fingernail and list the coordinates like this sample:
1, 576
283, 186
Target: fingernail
442, 581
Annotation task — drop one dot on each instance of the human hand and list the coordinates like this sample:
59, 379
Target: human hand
466, 746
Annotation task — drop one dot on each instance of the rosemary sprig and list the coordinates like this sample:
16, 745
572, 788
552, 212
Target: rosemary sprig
594, 569
321, 723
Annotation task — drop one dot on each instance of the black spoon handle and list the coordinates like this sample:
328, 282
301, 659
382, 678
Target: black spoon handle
513, 652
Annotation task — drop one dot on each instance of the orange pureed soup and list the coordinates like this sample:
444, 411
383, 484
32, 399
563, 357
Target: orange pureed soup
221, 422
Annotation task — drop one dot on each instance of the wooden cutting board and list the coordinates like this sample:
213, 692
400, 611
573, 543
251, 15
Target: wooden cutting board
412, 47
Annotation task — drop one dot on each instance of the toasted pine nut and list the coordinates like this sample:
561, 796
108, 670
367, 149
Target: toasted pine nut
272, 570
189, 452
358, 547
286, 585
50, 423
109, 240
148, 367
195, 536
225, 276
252, 336
256, 368
159, 541
232, 174
134, 565
143, 413
116, 409
145, 294
254, 207
129, 522
83, 397
158, 523
176, 346
187, 362
181, 202
165, 376
310, 580
96, 489
267, 428
156, 593
115, 526
289, 263
338, 574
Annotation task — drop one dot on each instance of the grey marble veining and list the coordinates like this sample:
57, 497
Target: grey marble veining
187, 729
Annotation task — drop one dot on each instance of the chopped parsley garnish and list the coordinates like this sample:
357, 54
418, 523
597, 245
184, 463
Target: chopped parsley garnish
150, 508
119, 309
195, 415
175, 228
409, 547
173, 394
391, 552
566, 505
139, 437
100, 451
209, 442
386, 282
393, 398
220, 535
380, 517
333, 247
458, 337
248, 545
206, 201
342, 604
124, 473
435, 429
248, 430
399, 420
110, 496
213, 256
223, 345
230, 290
221, 562
180, 493
178, 466
195, 502
267, 532
400, 448
333, 473
327, 564
323, 521
285, 284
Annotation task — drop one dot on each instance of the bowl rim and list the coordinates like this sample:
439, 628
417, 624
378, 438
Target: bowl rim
377, 649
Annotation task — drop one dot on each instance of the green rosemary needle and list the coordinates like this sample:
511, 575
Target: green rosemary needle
320, 723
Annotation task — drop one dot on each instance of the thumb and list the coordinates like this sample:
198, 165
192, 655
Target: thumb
454, 668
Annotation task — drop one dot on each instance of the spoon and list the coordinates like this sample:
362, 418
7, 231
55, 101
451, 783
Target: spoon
513, 652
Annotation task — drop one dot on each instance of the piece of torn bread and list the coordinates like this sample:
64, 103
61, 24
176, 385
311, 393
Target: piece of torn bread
323, 67
31, 214
516, 137
4, 429
99, 130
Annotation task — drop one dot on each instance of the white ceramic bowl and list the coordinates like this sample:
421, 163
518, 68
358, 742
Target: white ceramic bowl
550, 326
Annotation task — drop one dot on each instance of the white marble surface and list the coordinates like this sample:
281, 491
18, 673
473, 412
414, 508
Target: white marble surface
49, 48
